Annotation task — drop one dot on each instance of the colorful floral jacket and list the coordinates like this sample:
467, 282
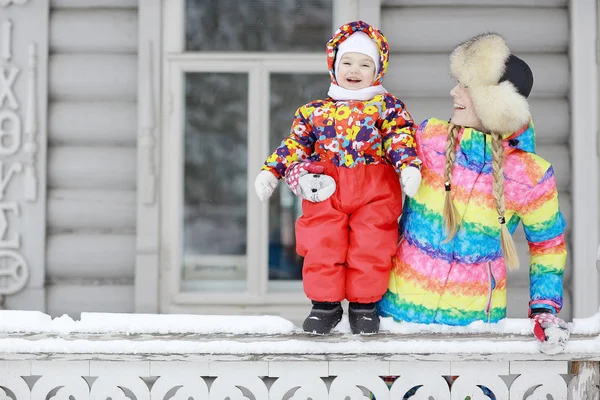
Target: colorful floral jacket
464, 280
350, 133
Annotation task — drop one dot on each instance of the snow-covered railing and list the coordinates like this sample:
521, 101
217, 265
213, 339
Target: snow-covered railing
183, 357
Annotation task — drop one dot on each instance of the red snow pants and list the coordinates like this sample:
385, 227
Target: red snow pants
348, 240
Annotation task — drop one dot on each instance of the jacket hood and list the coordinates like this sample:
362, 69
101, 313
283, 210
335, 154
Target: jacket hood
343, 33
523, 139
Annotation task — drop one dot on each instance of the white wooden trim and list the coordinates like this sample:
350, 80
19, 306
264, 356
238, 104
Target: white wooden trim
175, 63
584, 120
370, 12
24, 102
344, 11
146, 294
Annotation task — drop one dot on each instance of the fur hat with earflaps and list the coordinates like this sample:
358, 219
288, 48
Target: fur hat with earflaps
499, 82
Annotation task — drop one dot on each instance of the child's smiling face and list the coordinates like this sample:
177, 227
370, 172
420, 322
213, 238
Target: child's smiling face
356, 71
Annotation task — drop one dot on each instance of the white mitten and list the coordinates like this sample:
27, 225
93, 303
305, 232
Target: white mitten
307, 180
410, 179
551, 332
265, 184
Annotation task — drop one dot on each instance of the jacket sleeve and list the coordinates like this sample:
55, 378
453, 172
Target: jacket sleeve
398, 132
297, 146
545, 232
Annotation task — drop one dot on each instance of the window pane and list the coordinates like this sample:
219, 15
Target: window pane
215, 176
288, 92
258, 25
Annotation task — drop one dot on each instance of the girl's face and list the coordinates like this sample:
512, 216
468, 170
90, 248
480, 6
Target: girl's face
356, 71
464, 111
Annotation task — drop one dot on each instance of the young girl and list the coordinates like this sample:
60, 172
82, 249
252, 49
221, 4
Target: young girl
481, 176
343, 157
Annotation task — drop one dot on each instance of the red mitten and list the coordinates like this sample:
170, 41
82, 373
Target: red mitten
307, 180
551, 332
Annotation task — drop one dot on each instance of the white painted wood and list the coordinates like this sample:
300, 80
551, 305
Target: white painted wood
584, 111
92, 123
147, 259
96, 168
93, 31
11, 373
90, 4
560, 158
370, 12
182, 379
53, 371
426, 75
23, 105
441, 29
93, 77
486, 3
73, 298
96, 210
90, 256
586, 383
31, 128
549, 115
112, 379
344, 11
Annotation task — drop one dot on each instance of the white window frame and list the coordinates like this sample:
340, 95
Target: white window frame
175, 62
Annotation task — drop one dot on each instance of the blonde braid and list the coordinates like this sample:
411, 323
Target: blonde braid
511, 259
450, 213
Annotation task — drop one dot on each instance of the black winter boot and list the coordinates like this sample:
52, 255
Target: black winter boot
323, 317
363, 318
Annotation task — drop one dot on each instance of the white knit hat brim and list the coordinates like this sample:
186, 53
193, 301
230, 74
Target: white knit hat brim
358, 42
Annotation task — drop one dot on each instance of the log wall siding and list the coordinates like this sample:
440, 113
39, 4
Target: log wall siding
422, 34
92, 156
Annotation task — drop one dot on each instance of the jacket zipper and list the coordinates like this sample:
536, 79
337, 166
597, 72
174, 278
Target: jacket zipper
491, 287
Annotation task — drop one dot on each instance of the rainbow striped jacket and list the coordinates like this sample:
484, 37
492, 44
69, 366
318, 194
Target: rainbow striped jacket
464, 279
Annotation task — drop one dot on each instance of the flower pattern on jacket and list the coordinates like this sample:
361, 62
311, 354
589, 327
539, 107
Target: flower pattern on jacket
351, 132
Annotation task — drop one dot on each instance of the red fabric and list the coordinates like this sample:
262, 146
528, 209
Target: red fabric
348, 240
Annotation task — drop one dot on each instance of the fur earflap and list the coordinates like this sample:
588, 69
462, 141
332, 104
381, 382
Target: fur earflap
500, 108
479, 64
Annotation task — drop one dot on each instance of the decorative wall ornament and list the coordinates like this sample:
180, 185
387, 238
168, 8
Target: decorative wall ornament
7, 80
6, 38
14, 272
31, 129
147, 140
6, 3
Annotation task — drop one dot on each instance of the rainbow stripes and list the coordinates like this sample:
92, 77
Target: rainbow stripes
464, 280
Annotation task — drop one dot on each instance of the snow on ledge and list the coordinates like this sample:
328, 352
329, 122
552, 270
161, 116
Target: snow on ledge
106, 323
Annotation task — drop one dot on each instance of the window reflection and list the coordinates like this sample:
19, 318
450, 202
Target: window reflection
258, 25
288, 92
215, 176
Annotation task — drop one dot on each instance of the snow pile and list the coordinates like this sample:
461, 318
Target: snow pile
105, 323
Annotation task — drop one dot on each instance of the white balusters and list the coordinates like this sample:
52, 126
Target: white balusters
302, 379
233, 383
343, 379
472, 375
427, 375
353, 379
186, 379
63, 378
12, 385
541, 377
116, 380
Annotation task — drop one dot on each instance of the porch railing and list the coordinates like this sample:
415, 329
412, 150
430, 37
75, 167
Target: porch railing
175, 357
